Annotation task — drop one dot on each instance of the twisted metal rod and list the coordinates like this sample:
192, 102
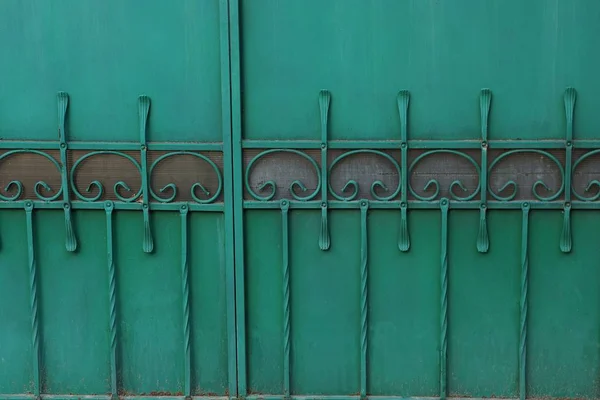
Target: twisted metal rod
444, 205
33, 300
185, 287
524, 303
364, 208
285, 205
112, 296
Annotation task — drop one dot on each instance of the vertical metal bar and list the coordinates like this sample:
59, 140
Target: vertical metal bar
523, 302
285, 206
238, 196
70, 239
364, 208
228, 187
185, 286
485, 101
33, 300
444, 205
565, 239
324, 102
112, 296
143, 111
404, 237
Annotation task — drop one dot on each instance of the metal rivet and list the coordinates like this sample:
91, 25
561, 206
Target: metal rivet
284, 202
143, 147
66, 206
526, 204
403, 204
567, 204
363, 203
483, 206
323, 145
403, 145
62, 145
145, 206
569, 144
484, 144
323, 205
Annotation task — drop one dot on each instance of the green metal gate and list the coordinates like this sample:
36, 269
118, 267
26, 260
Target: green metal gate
317, 199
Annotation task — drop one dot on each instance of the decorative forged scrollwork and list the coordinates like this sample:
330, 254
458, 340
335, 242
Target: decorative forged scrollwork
98, 187
196, 186
591, 185
536, 186
16, 186
353, 186
295, 186
457, 183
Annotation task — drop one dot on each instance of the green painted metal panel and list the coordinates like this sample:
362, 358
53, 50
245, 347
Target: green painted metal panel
268, 200
105, 54
364, 51
442, 300
115, 213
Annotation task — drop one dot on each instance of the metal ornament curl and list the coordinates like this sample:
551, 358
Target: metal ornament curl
436, 184
593, 184
98, 185
374, 186
295, 185
539, 183
173, 188
17, 186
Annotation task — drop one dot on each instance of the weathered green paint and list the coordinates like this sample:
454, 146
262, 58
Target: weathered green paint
84, 311
235, 292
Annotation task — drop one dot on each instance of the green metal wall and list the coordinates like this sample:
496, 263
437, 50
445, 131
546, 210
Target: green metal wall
330, 199
173, 330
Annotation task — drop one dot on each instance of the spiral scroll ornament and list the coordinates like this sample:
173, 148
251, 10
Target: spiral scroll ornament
593, 185
171, 187
537, 186
16, 187
98, 187
435, 184
295, 187
352, 186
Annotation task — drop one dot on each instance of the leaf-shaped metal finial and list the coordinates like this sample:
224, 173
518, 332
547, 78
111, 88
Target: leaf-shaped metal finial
404, 237
403, 100
143, 112
63, 103
324, 102
483, 241
485, 101
324, 241
565, 237
565, 240
570, 97
70, 240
